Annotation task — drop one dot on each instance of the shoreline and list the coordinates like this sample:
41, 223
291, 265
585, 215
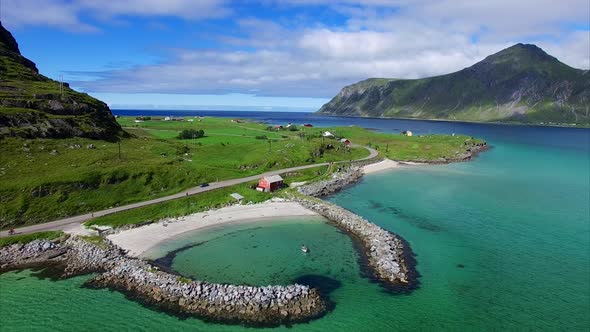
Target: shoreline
139, 240
388, 164
580, 126
384, 258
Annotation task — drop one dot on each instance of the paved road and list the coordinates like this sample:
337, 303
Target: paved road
63, 223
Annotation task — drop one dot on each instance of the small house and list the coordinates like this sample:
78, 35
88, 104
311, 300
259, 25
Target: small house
167, 118
138, 121
407, 133
270, 183
328, 134
236, 121
308, 125
345, 141
279, 127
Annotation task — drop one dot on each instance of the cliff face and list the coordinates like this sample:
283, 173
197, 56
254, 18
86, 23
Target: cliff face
519, 84
32, 105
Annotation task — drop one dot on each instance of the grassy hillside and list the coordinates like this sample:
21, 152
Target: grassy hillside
32, 105
519, 84
45, 179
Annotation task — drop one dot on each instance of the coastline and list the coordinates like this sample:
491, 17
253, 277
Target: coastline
581, 126
141, 239
384, 257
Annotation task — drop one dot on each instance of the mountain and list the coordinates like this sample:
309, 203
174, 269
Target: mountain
519, 84
32, 105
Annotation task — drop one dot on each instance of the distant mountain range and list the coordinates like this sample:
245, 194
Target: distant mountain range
32, 105
519, 84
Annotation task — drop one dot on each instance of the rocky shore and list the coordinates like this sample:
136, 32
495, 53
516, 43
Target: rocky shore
338, 181
260, 306
471, 152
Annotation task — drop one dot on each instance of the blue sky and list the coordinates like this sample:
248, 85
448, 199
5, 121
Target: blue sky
276, 54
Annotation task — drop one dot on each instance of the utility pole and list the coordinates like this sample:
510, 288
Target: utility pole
269, 145
61, 83
119, 141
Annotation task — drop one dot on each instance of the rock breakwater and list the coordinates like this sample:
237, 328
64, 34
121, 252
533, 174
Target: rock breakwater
385, 252
266, 306
259, 306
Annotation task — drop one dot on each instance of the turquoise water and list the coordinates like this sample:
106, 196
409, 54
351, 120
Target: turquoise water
502, 243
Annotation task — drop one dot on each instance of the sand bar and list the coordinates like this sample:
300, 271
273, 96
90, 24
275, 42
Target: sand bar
139, 240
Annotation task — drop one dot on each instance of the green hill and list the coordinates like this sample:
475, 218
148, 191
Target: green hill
32, 105
519, 84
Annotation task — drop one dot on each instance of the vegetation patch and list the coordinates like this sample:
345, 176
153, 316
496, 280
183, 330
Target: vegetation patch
97, 240
26, 238
183, 206
191, 133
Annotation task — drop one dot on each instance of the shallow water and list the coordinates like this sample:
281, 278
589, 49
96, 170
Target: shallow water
502, 243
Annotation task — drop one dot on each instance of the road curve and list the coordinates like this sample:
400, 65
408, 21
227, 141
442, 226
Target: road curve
60, 224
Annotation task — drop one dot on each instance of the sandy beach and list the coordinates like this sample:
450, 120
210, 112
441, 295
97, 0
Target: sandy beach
387, 164
141, 239
381, 166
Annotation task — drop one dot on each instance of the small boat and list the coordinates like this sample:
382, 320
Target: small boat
304, 249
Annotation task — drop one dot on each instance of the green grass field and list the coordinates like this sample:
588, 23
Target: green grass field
47, 179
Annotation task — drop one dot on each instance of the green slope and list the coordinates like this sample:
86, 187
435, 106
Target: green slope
519, 84
32, 105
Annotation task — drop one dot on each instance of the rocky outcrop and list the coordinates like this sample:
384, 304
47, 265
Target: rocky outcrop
32, 105
267, 306
338, 181
30, 254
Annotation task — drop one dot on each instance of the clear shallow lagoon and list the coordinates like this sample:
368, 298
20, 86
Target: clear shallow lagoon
502, 243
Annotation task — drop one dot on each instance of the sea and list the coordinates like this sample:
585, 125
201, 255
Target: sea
501, 243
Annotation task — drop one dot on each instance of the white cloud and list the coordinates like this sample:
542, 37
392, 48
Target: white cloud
44, 12
380, 38
66, 14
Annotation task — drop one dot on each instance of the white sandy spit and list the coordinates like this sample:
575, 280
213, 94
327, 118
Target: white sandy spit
388, 164
139, 240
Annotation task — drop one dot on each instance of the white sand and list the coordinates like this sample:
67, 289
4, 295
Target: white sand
141, 239
381, 166
388, 164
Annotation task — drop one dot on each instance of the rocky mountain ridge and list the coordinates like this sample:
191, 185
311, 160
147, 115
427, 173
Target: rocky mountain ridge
519, 84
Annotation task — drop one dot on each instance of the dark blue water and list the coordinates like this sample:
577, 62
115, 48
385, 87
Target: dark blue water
531, 136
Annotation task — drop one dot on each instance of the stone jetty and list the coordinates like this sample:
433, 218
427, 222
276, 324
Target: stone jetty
248, 305
384, 250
